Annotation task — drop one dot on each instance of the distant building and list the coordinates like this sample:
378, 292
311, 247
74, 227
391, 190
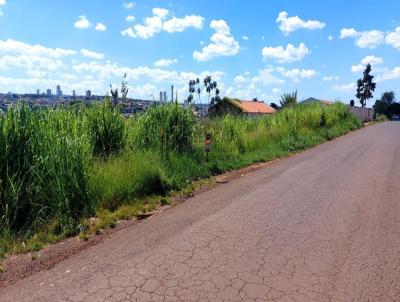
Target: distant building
37, 92
48, 92
161, 97
58, 90
73, 93
165, 97
88, 94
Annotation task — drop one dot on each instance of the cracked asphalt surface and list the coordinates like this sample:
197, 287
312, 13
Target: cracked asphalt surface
322, 225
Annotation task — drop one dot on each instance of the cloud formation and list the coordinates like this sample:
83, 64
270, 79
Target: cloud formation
82, 23
286, 55
291, 24
162, 20
222, 43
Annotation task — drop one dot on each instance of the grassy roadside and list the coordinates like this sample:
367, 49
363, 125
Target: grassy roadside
155, 156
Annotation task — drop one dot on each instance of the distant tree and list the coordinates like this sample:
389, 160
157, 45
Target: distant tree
365, 86
114, 95
275, 106
212, 90
124, 89
190, 99
124, 92
255, 100
194, 87
288, 99
352, 103
387, 105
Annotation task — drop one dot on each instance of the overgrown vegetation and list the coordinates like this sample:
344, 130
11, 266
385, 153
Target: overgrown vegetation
59, 167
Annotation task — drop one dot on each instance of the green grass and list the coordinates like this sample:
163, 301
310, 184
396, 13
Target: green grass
60, 167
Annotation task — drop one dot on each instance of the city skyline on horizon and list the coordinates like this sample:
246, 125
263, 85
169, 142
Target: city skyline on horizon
287, 46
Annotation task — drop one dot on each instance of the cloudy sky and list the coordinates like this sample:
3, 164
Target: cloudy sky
252, 48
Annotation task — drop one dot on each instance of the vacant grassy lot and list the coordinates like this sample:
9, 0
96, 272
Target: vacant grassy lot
59, 167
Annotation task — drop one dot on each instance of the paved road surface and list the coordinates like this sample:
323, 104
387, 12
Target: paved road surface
323, 225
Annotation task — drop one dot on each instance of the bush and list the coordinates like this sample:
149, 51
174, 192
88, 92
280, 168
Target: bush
167, 128
106, 128
381, 118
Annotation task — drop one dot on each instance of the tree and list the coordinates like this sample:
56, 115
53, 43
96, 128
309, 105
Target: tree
288, 99
365, 86
194, 87
211, 87
275, 106
352, 103
124, 92
387, 105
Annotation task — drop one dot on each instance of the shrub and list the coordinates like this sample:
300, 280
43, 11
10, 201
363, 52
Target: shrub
168, 128
106, 128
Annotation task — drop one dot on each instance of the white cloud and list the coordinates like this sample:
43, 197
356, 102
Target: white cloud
2, 2
365, 39
165, 62
330, 78
222, 43
348, 33
373, 60
291, 24
276, 90
288, 55
389, 75
160, 12
297, 74
239, 80
345, 87
129, 5
330, 38
266, 77
82, 23
38, 67
101, 27
180, 24
393, 38
30, 62
370, 39
92, 54
161, 21
246, 38
128, 32
130, 18
17, 47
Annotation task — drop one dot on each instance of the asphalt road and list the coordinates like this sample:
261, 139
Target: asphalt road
323, 225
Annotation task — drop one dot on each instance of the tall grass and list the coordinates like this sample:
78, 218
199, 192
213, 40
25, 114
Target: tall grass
43, 164
59, 166
106, 129
167, 128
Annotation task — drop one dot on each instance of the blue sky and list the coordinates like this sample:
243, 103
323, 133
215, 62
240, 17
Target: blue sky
252, 48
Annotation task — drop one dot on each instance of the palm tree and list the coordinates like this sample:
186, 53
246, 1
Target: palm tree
288, 99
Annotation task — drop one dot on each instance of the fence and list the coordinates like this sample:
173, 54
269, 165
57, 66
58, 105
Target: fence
364, 114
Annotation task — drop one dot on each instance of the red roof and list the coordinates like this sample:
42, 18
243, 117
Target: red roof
256, 107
